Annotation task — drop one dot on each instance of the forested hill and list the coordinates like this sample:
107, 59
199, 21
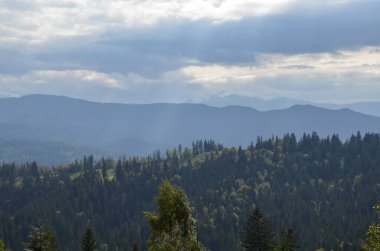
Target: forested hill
141, 129
324, 189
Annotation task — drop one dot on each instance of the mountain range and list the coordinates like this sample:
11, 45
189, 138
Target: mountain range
370, 108
117, 129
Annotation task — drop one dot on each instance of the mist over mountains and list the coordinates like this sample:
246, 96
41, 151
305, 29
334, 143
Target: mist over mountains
370, 108
81, 127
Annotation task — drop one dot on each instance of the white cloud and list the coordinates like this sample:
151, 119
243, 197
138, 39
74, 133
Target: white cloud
96, 86
84, 76
212, 75
117, 50
66, 82
345, 74
365, 61
40, 20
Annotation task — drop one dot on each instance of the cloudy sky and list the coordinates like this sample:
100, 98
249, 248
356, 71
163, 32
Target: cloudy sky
145, 51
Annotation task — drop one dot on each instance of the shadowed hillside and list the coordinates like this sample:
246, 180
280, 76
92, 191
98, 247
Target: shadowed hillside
141, 129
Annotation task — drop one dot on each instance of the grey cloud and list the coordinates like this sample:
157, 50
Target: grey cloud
298, 31
297, 67
18, 5
70, 84
167, 45
15, 61
150, 51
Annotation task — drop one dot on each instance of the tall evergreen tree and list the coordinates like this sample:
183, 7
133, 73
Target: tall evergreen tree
42, 239
88, 242
257, 234
173, 226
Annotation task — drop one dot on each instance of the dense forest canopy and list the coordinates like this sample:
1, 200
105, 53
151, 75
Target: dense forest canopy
323, 188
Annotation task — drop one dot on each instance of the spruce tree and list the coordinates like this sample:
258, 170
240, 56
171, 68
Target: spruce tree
88, 242
173, 226
257, 234
292, 240
41, 239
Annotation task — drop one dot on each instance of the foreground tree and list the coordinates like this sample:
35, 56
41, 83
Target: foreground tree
88, 242
373, 234
173, 226
41, 239
257, 234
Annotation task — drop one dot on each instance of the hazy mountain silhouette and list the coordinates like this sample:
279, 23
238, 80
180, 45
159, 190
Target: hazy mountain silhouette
371, 108
253, 102
141, 129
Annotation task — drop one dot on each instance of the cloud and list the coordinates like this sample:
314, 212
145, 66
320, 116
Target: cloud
365, 61
43, 19
252, 25
345, 74
170, 51
170, 43
98, 86
83, 75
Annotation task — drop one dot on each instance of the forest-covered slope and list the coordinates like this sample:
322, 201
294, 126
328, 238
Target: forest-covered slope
46, 152
324, 189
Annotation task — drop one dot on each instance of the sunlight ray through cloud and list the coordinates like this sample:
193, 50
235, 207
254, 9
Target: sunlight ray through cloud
46, 19
162, 51
326, 72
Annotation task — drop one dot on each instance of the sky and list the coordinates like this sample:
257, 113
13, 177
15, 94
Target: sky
146, 51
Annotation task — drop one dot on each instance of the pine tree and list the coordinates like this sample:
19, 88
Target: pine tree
257, 234
42, 239
173, 226
88, 242
120, 173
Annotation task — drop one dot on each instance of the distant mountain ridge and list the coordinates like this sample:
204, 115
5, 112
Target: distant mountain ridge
49, 153
370, 108
141, 129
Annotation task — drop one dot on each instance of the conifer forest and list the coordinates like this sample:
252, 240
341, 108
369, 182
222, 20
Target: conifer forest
307, 193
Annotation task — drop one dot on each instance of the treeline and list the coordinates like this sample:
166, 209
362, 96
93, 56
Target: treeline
322, 188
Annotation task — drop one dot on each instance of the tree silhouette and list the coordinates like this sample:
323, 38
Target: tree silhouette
257, 234
88, 242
